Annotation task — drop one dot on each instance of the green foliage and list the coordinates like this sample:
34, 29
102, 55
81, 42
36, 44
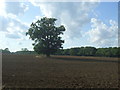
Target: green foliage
91, 51
108, 52
81, 51
77, 51
24, 49
6, 51
25, 52
66, 52
59, 52
46, 36
74, 51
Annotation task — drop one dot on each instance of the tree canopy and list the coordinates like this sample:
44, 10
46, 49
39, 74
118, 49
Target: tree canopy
6, 51
46, 36
91, 51
24, 49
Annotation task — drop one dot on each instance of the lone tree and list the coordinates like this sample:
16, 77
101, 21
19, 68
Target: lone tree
46, 36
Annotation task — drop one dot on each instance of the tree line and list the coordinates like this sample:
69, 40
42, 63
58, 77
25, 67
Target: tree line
76, 51
90, 51
23, 51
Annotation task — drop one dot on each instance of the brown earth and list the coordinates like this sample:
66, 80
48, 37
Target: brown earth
29, 71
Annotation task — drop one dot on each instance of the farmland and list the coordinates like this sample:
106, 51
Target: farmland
30, 71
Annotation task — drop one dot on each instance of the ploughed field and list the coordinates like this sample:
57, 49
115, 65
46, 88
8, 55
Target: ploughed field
30, 71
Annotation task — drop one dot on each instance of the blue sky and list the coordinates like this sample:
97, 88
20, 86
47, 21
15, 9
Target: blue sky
87, 23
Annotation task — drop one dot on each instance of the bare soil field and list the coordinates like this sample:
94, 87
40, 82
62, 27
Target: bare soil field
30, 71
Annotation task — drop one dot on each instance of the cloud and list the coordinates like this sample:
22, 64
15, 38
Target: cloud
33, 1
9, 23
13, 36
2, 8
16, 8
12, 27
102, 34
72, 15
19, 43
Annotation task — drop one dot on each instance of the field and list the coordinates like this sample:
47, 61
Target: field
30, 71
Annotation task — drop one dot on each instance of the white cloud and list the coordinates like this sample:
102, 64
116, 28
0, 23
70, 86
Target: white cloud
102, 34
12, 26
33, 1
12, 35
2, 8
73, 15
16, 8
9, 22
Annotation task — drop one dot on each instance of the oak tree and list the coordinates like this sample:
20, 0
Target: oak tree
46, 36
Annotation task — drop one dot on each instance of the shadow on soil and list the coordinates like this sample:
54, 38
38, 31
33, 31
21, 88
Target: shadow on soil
82, 59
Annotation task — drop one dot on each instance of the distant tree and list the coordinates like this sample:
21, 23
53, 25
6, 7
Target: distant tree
118, 55
59, 52
107, 52
0, 50
46, 36
81, 51
100, 52
74, 51
6, 50
25, 52
24, 49
89, 51
115, 51
66, 52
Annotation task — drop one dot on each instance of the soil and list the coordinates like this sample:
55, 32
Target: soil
30, 71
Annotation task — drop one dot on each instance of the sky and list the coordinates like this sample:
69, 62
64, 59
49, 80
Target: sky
87, 23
